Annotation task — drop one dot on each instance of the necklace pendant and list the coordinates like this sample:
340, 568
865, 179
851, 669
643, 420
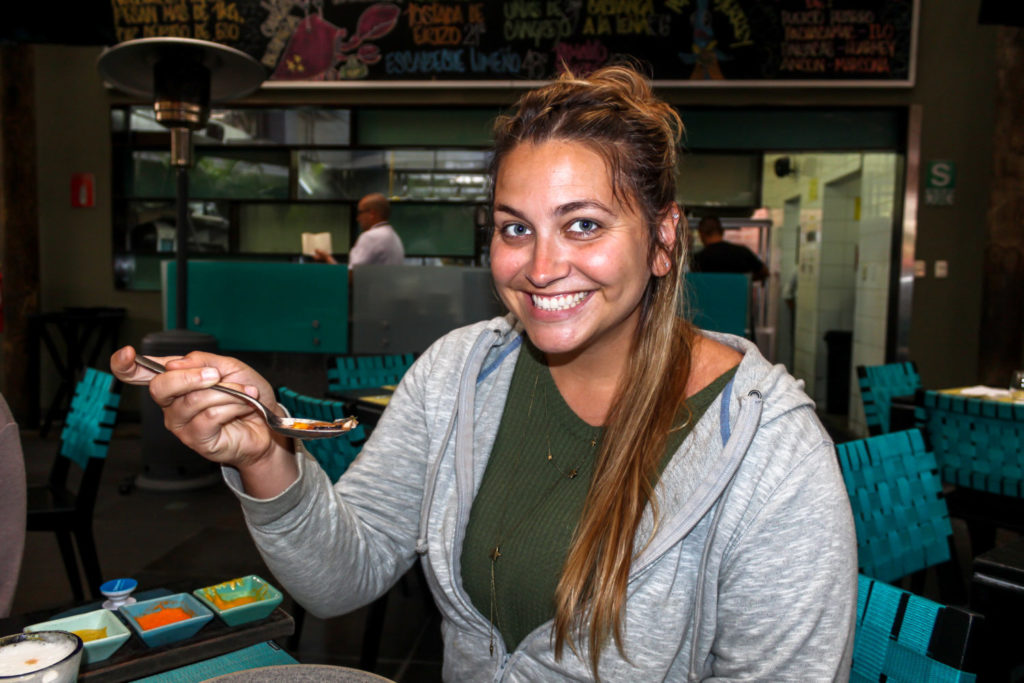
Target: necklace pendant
495, 554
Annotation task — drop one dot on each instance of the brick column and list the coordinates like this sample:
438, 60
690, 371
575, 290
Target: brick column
19, 226
1001, 348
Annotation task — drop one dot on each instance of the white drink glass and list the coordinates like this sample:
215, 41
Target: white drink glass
40, 657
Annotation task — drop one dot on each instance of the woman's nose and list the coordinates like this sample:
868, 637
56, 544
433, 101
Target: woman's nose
547, 263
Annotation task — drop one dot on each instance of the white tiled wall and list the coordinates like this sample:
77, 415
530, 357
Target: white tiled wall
846, 203
878, 192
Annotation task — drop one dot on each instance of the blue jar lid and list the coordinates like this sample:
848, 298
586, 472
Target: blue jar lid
119, 586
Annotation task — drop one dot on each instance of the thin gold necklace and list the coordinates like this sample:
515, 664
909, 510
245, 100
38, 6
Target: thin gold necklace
574, 471
495, 552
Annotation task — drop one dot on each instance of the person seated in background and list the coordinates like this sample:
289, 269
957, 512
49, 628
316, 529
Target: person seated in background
12, 507
719, 256
595, 489
378, 243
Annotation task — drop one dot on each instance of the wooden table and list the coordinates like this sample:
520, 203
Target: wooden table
367, 405
902, 412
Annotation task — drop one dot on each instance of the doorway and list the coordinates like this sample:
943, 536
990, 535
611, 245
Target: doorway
835, 218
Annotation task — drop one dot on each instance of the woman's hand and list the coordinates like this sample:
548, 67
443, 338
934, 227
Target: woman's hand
216, 425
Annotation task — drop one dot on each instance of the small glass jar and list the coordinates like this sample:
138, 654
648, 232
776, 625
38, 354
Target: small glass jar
1017, 386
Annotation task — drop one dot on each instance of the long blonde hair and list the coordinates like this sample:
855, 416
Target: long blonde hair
615, 112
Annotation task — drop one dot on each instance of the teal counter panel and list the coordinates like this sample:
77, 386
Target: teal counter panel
719, 302
252, 306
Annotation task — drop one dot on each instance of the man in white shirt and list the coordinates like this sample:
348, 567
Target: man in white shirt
378, 243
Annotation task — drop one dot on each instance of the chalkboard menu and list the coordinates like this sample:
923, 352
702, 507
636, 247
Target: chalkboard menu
682, 42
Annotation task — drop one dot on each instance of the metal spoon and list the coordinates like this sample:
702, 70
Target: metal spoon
295, 427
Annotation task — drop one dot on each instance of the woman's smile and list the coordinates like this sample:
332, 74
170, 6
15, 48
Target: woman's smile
558, 302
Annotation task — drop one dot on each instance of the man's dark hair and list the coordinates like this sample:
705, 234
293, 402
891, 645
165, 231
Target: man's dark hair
709, 225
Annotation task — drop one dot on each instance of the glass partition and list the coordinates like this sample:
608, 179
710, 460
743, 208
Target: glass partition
436, 229
238, 174
419, 174
277, 228
292, 126
263, 176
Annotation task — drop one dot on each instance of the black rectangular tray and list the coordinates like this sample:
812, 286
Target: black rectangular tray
135, 660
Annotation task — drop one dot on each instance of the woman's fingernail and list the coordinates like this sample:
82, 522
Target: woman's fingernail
210, 373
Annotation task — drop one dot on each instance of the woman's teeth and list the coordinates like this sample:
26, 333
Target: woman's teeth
557, 303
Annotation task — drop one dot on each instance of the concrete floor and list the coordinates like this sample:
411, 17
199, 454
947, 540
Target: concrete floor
197, 538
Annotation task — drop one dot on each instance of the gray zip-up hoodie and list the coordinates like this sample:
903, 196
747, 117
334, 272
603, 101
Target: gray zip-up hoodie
749, 574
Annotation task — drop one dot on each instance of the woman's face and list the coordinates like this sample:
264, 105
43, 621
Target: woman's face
568, 259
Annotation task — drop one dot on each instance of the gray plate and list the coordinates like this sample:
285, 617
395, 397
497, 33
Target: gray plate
300, 673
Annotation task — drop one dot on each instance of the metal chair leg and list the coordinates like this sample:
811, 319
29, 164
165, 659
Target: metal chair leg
90, 560
299, 617
67, 554
372, 633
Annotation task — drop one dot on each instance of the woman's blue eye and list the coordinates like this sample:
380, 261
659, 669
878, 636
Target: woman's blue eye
515, 230
583, 225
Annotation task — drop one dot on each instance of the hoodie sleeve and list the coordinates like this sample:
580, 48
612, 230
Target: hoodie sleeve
788, 586
338, 548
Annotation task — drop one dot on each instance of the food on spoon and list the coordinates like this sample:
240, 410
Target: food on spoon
344, 423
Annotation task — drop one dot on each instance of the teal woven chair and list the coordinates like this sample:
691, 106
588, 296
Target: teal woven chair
333, 455
878, 385
84, 442
366, 372
900, 516
905, 637
979, 446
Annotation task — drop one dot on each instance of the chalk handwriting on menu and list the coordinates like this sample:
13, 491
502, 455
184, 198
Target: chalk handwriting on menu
216, 20
680, 40
837, 41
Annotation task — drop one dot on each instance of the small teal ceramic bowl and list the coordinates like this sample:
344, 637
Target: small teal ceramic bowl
241, 600
101, 631
149, 613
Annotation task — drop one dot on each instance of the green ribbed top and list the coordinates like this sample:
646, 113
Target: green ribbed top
528, 504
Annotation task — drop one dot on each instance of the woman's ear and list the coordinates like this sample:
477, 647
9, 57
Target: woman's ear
667, 235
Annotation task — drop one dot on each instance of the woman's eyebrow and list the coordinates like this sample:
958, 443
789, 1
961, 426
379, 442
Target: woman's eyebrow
580, 205
561, 210
505, 208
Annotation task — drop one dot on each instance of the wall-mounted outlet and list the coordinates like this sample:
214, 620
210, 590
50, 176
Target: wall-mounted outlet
942, 269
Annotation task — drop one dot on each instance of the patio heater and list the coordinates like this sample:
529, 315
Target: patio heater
181, 76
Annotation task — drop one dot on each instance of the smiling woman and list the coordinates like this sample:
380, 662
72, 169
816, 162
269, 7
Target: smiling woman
569, 259
595, 488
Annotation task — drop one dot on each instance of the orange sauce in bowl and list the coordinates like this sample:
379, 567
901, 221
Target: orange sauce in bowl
162, 617
223, 604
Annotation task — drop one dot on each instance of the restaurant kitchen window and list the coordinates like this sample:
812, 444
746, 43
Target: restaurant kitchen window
263, 176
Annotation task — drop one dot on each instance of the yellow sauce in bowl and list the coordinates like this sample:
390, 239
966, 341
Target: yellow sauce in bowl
87, 634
